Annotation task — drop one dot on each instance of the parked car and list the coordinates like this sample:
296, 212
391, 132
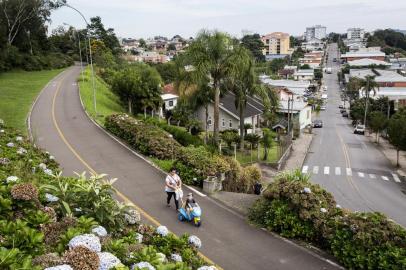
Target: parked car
317, 123
342, 110
345, 114
340, 106
334, 59
323, 107
359, 129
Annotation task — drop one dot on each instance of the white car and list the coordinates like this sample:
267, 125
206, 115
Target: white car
359, 129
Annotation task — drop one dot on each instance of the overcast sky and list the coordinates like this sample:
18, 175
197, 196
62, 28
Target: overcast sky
147, 18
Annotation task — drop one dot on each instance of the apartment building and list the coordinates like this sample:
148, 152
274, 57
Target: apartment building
317, 31
277, 45
355, 33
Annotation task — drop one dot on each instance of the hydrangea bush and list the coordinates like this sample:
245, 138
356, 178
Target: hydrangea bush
296, 208
40, 228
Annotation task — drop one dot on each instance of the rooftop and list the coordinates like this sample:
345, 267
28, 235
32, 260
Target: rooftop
367, 62
297, 106
380, 75
253, 108
168, 96
363, 54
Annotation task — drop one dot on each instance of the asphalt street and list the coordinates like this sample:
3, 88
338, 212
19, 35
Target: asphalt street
60, 125
348, 165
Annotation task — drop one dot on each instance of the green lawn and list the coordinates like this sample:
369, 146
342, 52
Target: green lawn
245, 158
18, 90
106, 101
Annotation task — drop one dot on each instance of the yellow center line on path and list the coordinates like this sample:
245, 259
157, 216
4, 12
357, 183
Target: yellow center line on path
121, 195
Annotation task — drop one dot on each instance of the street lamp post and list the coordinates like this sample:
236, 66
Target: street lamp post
90, 53
80, 50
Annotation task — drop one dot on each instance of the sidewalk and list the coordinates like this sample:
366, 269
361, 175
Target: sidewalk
300, 148
390, 152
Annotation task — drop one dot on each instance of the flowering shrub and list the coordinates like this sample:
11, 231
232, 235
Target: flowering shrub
195, 241
296, 208
242, 179
59, 223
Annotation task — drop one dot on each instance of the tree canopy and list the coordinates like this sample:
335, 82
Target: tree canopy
255, 45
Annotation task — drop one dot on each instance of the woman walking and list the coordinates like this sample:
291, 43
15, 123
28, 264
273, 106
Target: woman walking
172, 185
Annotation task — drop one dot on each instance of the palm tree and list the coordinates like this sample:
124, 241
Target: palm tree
243, 83
367, 85
210, 58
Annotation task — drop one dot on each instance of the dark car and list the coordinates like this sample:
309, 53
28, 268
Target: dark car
345, 114
340, 106
317, 123
343, 110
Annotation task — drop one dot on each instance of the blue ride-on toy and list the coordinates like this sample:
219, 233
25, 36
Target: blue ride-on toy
193, 216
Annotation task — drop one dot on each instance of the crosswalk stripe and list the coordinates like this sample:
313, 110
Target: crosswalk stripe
326, 170
396, 177
338, 171
304, 169
372, 176
349, 171
385, 178
316, 169
360, 174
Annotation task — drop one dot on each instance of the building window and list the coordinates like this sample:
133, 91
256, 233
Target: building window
223, 122
170, 103
230, 123
209, 122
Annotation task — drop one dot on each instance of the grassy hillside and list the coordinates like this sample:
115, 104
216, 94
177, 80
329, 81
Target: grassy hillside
18, 90
107, 102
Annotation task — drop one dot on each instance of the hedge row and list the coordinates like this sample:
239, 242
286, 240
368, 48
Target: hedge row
296, 208
194, 163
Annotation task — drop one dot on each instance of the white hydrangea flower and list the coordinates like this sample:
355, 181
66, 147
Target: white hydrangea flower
176, 257
206, 267
51, 198
60, 267
19, 139
107, 260
99, 231
323, 210
48, 172
162, 257
46, 152
42, 166
132, 217
195, 241
21, 151
51, 157
1, 130
90, 241
338, 206
10, 144
139, 237
142, 265
78, 209
30, 160
307, 190
162, 230
1, 122
12, 179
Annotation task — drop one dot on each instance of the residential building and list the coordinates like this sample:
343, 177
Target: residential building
317, 31
277, 45
364, 53
302, 112
229, 115
355, 33
366, 62
313, 44
299, 88
313, 59
154, 57
385, 78
304, 75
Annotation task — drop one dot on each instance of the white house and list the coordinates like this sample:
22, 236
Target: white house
302, 112
170, 101
304, 75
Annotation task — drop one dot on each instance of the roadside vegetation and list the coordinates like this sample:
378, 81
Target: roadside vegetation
295, 208
47, 220
107, 102
18, 91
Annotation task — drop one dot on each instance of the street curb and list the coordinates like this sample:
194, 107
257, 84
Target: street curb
307, 150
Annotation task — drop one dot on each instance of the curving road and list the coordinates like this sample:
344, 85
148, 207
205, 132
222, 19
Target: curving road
60, 125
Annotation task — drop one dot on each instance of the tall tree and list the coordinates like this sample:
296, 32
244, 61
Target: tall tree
377, 123
209, 57
255, 45
109, 38
243, 83
397, 132
368, 85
